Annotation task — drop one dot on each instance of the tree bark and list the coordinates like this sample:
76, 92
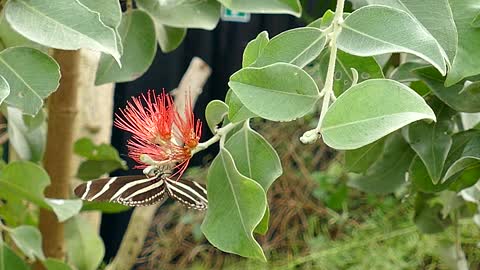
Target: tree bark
62, 111
132, 243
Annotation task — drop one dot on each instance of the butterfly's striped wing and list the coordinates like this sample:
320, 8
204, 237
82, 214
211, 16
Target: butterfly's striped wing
136, 190
189, 193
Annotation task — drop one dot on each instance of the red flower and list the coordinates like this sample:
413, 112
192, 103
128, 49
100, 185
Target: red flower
152, 119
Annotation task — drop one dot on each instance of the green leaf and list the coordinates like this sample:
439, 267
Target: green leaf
101, 159
10, 38
262, 89
23, 179
11, 260
20, 67
454, 96
254, 49
431, 142
323, 22
421, 180
387, 174
104, 207
348, 126
110, 14
359, 160
183, 14
435, 15
428, 216
54, 264
4, 89
405, 72
64, 209
29, 240
291, 7
466, 60
470, 159
85, 248
29, 143
137, 32
476, 21
236, 206
214, 113
237, 112
297, 46
377, 27
256, 159
109, 10
366, 67
169, 38
70, 25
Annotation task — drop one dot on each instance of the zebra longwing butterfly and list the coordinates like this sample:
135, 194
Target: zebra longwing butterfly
141, 191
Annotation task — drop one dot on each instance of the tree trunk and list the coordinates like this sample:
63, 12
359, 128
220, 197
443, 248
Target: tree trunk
62, 111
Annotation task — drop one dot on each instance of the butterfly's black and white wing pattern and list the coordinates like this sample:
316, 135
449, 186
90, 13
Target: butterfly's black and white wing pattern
135, 190
189, 193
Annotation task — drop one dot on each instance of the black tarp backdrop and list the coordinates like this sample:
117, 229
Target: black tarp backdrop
222, 49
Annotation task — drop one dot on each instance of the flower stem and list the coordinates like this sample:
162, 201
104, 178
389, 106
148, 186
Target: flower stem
220, 133
327, 92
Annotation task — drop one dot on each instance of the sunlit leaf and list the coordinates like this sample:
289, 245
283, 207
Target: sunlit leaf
256, 159
349, 126
374, 30
169, 38
236, 206
262, 89
63, 25
297, 46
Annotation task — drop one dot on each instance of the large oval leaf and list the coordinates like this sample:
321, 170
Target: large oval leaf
359, 160
67, 25
296, 46
374, 30
261, 90
184, 14
370, 110
236, 206
139, 46
256, 159
292, 7
435, 15
20, 66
